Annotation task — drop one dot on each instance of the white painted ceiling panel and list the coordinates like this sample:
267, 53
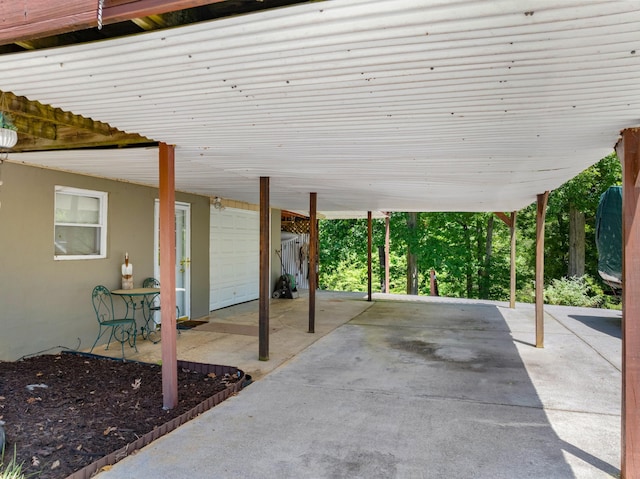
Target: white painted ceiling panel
389, 105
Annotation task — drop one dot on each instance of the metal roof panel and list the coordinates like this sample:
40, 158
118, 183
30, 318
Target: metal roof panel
392, 105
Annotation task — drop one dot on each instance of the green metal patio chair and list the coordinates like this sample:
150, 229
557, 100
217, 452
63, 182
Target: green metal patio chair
121, 329
152, 299
153, 305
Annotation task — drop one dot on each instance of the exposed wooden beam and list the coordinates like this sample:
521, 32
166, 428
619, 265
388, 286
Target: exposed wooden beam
43, 127
36, 43
40, 136
31, 19
152, 22
628, 150
20, 106
34, 128
26, 45
121, 10
506, 219
75, 140
292, 214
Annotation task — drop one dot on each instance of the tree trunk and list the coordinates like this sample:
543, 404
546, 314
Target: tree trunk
412, 259
576, 242
564, 245
469, 265
382, 260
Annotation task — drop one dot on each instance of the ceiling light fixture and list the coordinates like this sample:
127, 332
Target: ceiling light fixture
217, 203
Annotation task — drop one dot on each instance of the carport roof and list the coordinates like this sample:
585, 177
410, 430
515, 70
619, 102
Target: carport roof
387, 105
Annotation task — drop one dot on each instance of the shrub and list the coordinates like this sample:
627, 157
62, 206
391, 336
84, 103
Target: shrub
575, 291
347, 275
526, 293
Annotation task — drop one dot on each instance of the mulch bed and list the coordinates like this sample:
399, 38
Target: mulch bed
63, 412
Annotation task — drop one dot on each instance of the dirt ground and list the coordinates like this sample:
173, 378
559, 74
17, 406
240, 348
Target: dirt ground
63, 412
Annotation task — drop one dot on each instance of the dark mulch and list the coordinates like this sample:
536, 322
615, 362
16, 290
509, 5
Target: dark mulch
90, 408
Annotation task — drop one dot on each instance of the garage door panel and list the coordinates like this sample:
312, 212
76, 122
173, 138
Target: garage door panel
234, 251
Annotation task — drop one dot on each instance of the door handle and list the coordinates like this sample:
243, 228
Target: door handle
184, 263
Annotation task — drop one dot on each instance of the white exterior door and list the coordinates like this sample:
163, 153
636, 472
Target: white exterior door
234, 257
183, 256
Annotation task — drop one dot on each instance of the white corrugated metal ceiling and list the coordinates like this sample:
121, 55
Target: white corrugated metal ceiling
399, 105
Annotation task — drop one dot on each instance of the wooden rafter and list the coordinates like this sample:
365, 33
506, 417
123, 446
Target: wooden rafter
506, 219
121, 10
43, 127
33, 19
292, 215
151, 22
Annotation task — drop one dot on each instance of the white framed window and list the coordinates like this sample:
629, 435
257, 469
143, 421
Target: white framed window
80, 224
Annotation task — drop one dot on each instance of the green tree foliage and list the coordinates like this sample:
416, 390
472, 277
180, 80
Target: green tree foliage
343, 254
455, 245
584, 192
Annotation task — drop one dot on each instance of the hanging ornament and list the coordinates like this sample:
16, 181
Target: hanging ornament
8, 133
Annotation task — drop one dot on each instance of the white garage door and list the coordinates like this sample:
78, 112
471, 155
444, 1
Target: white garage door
234, 257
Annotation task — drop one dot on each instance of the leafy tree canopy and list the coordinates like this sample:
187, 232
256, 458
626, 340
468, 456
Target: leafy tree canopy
468, 251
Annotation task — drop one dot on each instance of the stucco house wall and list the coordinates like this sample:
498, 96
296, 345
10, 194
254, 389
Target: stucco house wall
46, 303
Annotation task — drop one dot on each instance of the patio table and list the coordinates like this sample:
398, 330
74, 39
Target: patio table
136, 299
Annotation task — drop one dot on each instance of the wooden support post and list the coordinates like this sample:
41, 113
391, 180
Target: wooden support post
387, 225
510, 221
369, 242
540, 217
264, 284
628, 150
313, 255
167, 219
512, 278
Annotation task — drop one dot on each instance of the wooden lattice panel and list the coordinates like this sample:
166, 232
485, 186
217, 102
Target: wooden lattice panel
298, 227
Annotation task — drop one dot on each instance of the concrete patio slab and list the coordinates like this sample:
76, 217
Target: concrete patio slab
427, 388
288, 325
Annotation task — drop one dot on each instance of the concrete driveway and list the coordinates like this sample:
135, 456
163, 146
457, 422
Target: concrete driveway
429, 388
